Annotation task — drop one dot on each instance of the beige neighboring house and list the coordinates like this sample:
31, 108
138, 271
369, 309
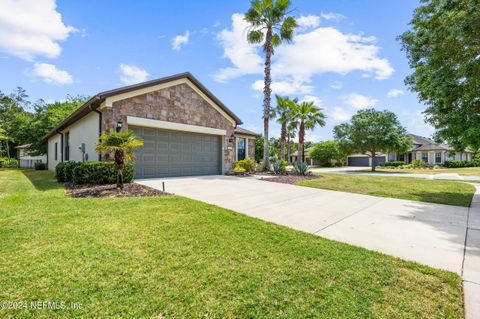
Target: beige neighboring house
422, 149
25, 160
185, 128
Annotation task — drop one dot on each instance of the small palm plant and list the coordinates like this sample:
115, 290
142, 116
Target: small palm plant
121, 145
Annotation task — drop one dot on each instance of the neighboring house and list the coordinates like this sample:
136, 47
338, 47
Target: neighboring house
422, 148
185, 128
308, 160
25, 160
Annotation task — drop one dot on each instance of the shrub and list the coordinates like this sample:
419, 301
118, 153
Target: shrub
6, 162
239, 169
247, 164
279, 166
393, 164
338, 164
459, 164
64, 171
301, 168
417, 164
39, 166
100, 173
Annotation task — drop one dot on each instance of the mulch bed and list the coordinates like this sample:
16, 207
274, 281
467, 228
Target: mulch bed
289, 178
110, 190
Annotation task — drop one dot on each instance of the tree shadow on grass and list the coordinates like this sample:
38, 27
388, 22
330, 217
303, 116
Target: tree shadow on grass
42, 180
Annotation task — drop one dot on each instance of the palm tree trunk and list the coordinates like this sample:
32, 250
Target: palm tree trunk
266, 96
283, 140
288, 148
301, 138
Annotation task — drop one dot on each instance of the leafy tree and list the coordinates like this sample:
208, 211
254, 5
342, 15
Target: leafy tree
259, 143
121, 145
3, 137
372, 132
326, 152
281, 112
10, 108
47, 116
271, 25
443, 48
308, 116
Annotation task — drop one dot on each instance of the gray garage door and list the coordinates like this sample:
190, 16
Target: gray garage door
358, 161
379, 160
173, 153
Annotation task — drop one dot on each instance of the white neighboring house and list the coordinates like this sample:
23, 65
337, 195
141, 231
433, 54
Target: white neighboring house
25, 160
422, 148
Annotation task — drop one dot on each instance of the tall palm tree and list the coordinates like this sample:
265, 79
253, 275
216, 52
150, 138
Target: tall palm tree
308, 116
281, 112
270, 25
121, 145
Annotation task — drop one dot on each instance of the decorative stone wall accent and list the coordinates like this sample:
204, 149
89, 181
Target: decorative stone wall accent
251, 148
179, 104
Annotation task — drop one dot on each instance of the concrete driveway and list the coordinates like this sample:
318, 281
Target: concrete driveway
430, 234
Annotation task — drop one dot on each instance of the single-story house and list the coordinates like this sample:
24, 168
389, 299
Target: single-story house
185, 128
422, 148
25, 160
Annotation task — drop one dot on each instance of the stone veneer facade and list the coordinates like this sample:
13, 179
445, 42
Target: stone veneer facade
179, 104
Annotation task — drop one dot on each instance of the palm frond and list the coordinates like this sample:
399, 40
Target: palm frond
255, 36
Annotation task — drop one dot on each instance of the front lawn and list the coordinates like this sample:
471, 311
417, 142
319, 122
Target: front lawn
423, 190
172, 257
465, 171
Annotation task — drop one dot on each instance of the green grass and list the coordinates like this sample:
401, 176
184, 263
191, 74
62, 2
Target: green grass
171, 257
423, 190
465, 171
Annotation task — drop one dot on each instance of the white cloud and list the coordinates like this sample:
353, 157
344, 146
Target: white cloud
336, 85
329, 50
358, 101
340, 114
284, 87
307, 22
132, 74
30, 28
180, 40
312, 98
395, 93
332, 16
417, 123
241, 54
49, 73
322, 50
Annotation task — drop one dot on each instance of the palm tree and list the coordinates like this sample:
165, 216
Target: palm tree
307, 115
291, 134
270, 25
281, 112
121, 145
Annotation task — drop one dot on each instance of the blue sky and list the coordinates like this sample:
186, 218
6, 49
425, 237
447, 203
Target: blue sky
345, 55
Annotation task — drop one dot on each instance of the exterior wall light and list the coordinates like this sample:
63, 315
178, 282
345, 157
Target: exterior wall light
119, 126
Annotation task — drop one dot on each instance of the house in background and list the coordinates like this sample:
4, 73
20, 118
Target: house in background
185, 128
293, 157
422, 149
25, 160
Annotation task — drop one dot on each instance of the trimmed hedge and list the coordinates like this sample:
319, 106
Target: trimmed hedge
459, 164
64, 171
39, 166
393, 164
6, 162
91, 173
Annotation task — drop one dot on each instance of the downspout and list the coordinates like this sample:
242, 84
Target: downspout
99, 126
61, 145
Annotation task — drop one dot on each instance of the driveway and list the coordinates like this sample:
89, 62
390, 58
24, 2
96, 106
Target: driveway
430, 234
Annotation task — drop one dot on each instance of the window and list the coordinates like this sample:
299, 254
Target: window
67, 146
401, 157
241, 148
56, 151
425, 157
438, 157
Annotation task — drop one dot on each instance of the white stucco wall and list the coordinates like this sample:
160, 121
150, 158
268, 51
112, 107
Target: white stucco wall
51, 151
85, 131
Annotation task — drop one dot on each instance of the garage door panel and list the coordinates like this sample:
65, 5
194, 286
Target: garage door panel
173, 153
358, 161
